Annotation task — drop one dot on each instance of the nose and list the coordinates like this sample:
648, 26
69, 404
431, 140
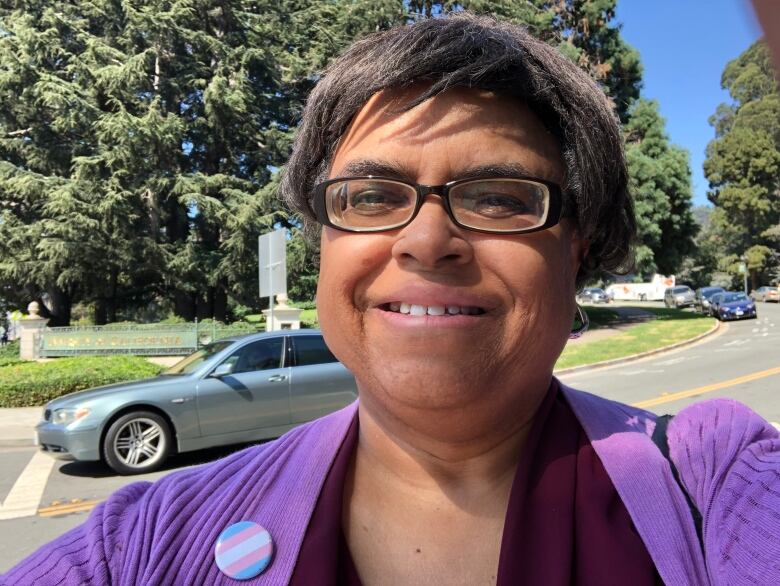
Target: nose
432, 241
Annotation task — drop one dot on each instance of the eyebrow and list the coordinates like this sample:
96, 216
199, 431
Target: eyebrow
396, 170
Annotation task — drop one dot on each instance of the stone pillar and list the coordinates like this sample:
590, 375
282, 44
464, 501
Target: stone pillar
285, 317
30, 328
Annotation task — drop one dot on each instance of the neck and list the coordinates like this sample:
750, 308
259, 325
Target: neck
465, 456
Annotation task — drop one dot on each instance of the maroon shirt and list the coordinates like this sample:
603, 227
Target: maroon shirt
565, 523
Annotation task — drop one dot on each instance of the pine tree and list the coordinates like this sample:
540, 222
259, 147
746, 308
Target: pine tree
743, 166
58, 237
660, 179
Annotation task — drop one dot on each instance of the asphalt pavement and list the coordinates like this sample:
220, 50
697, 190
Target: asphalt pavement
42, 498
741, 361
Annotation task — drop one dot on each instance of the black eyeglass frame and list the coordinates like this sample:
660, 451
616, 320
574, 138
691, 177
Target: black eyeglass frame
553, 213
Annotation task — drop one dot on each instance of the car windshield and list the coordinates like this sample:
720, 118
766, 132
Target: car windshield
194, 361
732, 297
710, 292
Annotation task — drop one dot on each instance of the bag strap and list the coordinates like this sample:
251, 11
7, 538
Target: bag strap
661, 440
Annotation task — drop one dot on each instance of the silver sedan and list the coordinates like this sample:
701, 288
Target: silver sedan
231, 391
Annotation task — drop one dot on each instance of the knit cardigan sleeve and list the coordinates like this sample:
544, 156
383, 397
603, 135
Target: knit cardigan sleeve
164, 533
159, 533
728, 459
88, 554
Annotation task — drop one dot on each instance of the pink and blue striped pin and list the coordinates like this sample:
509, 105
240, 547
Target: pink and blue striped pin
244, 550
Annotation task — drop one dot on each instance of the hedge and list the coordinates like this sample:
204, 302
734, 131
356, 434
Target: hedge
30, 384
9, 354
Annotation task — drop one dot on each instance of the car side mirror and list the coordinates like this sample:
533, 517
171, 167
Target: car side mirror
223, 369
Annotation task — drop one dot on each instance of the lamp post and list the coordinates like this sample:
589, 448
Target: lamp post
743, 270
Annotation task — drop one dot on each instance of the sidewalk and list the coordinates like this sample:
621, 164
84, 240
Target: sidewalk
17, 425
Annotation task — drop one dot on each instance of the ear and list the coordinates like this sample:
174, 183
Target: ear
579, 247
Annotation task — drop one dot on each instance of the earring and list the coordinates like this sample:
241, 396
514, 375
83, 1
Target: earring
583, 320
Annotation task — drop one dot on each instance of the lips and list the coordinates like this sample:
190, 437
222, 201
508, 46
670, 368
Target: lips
443, 309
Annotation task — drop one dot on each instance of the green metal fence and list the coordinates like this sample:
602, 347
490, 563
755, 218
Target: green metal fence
140, 339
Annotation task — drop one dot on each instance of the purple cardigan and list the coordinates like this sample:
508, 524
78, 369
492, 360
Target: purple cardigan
165, 533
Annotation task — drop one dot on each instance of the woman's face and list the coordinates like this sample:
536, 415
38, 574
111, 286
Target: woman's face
522, 286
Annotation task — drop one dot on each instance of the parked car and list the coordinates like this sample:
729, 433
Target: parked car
714, 302
701, 302
680, 296
731, 305
593, 295
766, 294
234, 390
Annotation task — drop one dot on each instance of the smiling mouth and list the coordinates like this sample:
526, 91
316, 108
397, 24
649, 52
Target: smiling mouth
435, 310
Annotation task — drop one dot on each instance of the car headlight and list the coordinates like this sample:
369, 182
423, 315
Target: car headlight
68, 416
680, 298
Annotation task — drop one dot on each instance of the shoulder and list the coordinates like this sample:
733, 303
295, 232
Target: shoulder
728, 458
602, 417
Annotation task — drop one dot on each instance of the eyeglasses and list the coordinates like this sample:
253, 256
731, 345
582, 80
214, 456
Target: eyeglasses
505, 205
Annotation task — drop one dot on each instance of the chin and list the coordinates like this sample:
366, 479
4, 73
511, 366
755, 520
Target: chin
435, 383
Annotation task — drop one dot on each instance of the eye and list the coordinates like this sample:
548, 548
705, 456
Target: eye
376, 201
497, 205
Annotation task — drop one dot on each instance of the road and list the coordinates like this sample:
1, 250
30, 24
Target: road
742, 361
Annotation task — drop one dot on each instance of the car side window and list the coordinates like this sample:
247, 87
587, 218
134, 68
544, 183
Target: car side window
259, 355
311, 350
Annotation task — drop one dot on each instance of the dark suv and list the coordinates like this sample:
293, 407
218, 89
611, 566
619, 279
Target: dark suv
679, 296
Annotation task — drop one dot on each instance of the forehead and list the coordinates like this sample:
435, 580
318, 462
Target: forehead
459, 129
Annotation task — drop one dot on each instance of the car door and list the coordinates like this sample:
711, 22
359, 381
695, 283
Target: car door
319, 384
254, 395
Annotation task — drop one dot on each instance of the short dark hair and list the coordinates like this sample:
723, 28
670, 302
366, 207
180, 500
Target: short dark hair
479, 52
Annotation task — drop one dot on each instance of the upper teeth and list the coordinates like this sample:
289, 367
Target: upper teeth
414, 309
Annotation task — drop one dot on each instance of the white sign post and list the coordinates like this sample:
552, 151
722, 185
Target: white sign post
272, 266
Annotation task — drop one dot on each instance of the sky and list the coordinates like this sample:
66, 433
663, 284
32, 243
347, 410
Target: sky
684, 46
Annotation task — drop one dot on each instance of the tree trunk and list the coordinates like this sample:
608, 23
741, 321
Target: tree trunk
184, 305
58, 307
101, 314
220, 304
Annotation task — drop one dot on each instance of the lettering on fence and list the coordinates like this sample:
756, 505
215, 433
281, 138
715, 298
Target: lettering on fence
56, 343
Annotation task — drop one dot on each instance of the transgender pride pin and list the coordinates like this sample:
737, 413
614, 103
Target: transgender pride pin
244, 550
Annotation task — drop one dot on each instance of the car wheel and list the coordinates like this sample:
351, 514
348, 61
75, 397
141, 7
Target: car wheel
137, 442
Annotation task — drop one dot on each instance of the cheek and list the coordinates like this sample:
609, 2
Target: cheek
542, 273
348, 263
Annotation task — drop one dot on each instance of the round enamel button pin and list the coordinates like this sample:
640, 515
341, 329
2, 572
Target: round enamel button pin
244, 550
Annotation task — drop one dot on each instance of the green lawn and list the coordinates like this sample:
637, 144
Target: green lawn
601, 317
670, 327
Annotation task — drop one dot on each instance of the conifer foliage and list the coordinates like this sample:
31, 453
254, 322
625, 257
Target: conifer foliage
140, 140
743, 168
660, 177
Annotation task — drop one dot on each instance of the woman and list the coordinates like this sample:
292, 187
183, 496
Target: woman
468, 178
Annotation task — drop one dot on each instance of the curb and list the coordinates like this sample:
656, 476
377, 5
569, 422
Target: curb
30, 442
633, 357
17, 443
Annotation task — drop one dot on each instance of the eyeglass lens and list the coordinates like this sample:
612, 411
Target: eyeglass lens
496, 205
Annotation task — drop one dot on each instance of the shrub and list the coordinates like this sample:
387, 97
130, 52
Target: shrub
309, 319
9, 354
29, 384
